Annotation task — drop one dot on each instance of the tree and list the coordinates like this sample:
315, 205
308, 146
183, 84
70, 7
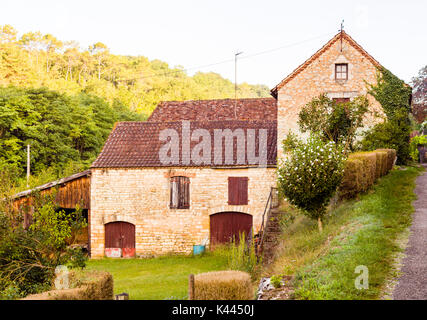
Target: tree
32, 42
51, 44
419, 95
310, 174
419, 84
335, 121
99, 51
7, 34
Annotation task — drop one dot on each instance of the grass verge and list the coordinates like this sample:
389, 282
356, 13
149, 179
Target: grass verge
356, 233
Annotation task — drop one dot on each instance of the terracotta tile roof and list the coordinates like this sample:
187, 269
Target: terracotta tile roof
221, 109
319, 53
137, 144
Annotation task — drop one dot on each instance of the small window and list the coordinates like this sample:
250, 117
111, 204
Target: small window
341, 71
180, 193
237, 190
341, 100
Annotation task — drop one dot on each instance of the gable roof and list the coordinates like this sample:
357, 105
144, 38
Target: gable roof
219, 109
303, 66
137, 144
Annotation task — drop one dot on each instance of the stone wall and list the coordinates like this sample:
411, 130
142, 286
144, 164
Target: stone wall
319, 77
142, 197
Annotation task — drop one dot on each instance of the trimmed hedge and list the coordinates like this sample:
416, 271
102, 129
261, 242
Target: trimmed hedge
362, 169
93, 285
223, 285
351, 180
369, 163
391, 157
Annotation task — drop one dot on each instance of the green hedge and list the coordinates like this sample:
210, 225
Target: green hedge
362, 169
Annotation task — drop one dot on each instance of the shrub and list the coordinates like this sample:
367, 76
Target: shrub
362, 169
276, 281
332, 120
310, 175
413, 146
382, 163
223, 285
350, 185
391, 157
368, 172
28, 258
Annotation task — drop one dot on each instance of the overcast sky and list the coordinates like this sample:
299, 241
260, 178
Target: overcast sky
201, 32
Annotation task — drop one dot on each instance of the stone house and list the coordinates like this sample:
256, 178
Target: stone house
148, 205
340, 69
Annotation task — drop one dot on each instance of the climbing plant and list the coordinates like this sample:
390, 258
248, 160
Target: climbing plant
394, 96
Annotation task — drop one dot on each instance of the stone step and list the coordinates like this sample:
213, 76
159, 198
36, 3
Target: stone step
273, 228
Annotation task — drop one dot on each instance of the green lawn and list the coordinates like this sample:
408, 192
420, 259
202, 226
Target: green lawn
157, 278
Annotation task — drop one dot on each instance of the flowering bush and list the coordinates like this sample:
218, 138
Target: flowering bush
310, 174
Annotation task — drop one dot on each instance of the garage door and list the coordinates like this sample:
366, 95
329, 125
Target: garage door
225, 226
120, 235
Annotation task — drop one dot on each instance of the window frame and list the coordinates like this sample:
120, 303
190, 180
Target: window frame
182, 184
341, 72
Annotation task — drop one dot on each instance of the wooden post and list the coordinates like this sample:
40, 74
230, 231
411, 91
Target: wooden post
28, 165
191, 287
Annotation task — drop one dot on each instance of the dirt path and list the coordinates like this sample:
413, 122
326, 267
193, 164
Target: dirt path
412, 285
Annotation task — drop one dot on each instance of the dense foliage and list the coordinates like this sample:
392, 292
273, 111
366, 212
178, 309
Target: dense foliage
59, 128
36, 60
336, 121
310, 175
394, 96
29, 256
413, 146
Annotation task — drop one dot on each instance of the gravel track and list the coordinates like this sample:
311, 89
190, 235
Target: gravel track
412, 285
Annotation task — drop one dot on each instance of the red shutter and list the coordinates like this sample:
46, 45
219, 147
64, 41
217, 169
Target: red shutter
243, 191
237, 190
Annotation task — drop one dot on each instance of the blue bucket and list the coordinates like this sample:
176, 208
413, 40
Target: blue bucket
198, 249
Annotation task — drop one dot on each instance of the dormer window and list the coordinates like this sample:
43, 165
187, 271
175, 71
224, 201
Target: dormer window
341, 71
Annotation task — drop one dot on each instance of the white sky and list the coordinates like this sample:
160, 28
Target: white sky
201, 32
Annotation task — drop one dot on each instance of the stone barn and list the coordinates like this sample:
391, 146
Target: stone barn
144, 206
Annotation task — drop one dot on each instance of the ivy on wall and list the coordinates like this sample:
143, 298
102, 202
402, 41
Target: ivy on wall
395, 98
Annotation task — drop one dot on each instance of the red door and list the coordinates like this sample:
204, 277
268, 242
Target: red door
120, 235
226, 226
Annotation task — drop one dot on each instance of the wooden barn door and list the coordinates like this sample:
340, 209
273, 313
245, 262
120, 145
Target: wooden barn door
225, 226
120, 235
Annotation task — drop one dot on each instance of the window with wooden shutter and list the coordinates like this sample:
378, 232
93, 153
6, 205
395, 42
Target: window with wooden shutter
237, 190
180, 193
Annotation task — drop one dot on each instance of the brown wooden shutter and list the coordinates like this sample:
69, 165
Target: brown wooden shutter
184, 189
237, 190
243, 190
182, 185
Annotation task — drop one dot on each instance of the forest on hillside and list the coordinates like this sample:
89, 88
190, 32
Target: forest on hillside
64, 101
37, 60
